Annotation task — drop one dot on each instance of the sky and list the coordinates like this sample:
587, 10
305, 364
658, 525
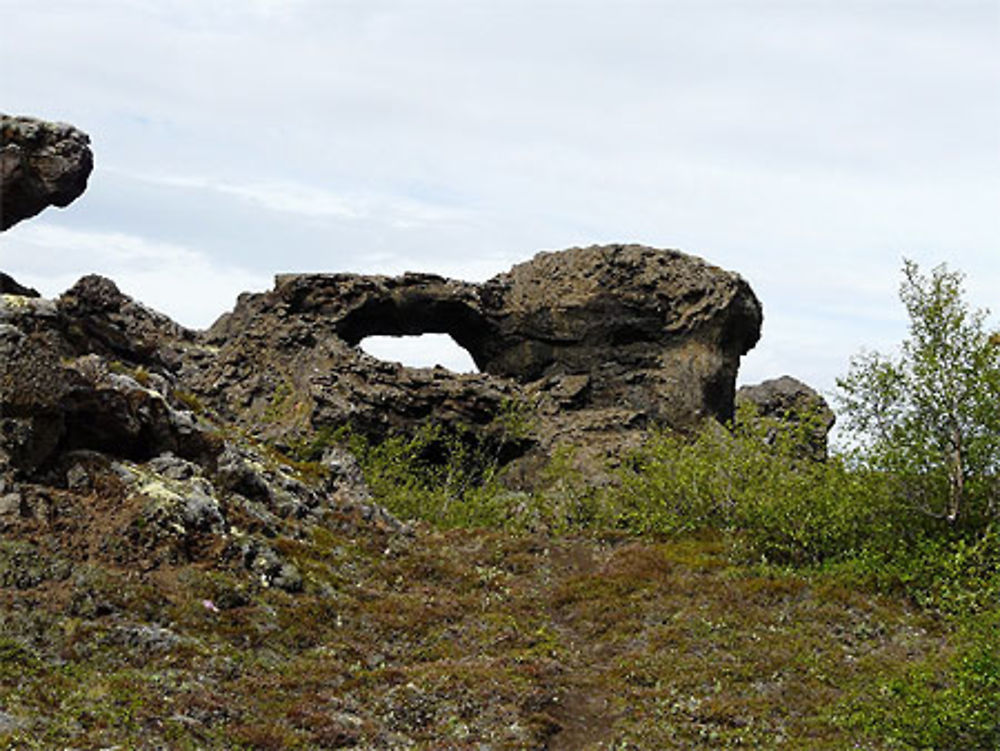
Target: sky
809, 146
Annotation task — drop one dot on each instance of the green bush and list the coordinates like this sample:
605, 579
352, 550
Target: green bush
447, 477
950, 704
755, 483
775, 506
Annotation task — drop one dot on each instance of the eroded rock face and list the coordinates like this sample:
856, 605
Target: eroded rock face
599, 341
92, 410
790, 400
41, 164
655, 330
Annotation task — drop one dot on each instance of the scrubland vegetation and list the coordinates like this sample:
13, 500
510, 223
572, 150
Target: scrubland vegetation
723, 590
910, 508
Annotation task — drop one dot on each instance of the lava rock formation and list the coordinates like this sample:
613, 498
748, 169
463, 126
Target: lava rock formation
41, 164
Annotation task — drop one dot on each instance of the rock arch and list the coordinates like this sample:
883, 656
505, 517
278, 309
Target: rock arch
416, 314
357, 307
653, 335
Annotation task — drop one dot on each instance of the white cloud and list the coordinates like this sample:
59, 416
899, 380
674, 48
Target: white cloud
281, 196
808, 145
175, 280
285, 196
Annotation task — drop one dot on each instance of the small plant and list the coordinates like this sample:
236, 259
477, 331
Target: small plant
141, 376
565, 502
310, 447
189, 401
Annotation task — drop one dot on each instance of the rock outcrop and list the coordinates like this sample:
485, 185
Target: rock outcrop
284, 363
70, 372
788, 400
92, 410
41, 164
10, 286
659, 331
600, 342
190, 431
586, 347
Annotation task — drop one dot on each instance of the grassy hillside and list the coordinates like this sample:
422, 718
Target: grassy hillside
720, 589
562, 624
468, 640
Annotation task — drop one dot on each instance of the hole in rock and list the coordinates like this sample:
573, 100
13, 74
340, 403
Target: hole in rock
424, 351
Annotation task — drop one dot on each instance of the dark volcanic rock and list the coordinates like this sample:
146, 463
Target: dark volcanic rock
789, 400
91, 371
41, 164
602, 341
10, 286
70, 378
112, 324
283, 363
181, 442
91, 412
621, 326
654, 330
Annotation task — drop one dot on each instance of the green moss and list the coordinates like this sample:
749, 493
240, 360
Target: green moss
16, 660
309, 472
24, 565
189, 401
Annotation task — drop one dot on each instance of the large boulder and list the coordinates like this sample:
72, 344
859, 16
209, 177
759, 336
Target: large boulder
86, 372
654, 330
41, 164
791, 402
659, 331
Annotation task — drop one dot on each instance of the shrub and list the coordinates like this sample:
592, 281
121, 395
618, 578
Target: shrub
954, 705
930, 417
447, 477
754, 483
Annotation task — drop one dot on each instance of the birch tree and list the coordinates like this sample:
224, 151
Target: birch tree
931, 415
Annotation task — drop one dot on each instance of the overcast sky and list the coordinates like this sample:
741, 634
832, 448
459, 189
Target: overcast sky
809, 146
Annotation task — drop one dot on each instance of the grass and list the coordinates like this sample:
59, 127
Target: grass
453, 639
697, 604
